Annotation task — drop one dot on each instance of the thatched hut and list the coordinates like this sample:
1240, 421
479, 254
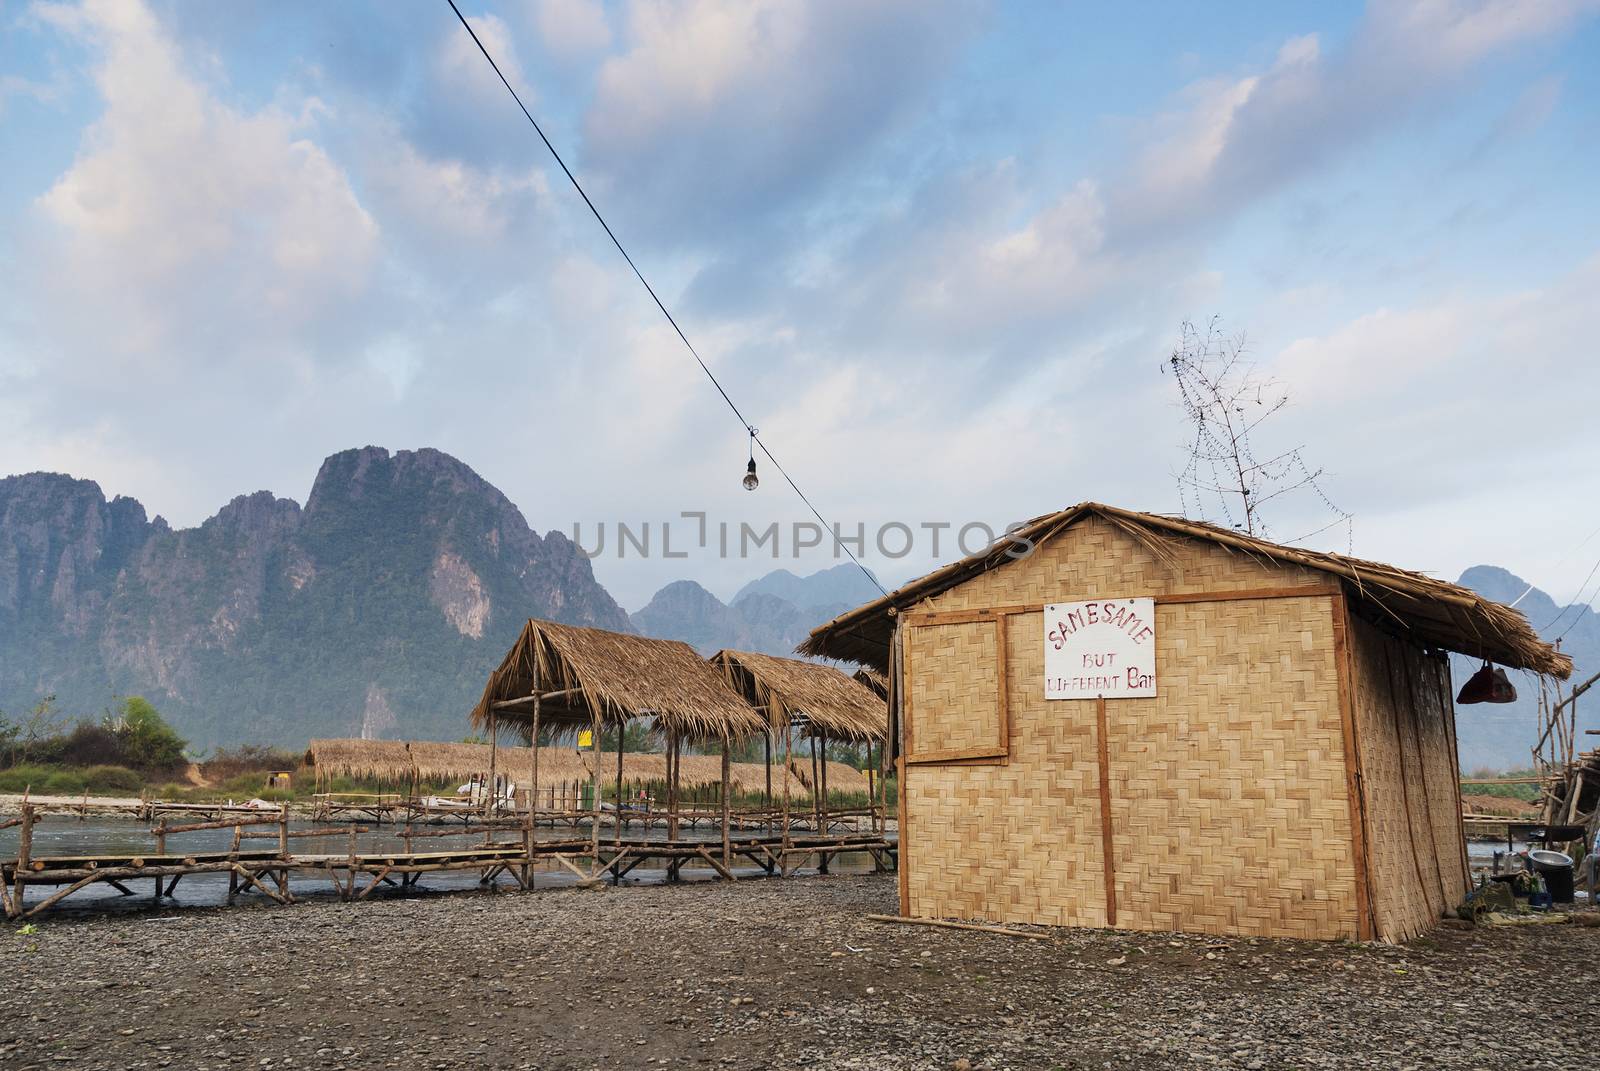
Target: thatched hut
573, 678
818, 701
1280, 761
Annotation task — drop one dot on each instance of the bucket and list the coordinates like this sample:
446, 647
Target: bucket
1556, 869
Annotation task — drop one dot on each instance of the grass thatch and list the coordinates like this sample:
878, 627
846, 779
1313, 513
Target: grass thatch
613, 677
823, 697
1434, 612
362, 760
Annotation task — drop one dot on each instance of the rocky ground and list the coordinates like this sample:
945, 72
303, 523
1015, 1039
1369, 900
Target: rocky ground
765, 974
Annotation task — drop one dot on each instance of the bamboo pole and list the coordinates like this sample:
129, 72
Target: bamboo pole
494, 740
622, 732
594, 833
727, 855
533, 784
816, 807
823, 783
788, 736
766, 743
673, 765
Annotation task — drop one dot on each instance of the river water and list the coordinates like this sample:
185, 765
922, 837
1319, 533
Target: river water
58, 835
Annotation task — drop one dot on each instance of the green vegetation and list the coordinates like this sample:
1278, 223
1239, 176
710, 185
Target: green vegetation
131, 737
1528, 792
102, 780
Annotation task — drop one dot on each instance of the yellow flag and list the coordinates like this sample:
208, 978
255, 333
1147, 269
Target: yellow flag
585, 738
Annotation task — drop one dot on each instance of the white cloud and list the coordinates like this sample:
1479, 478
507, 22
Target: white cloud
459, 64
177, 203
732, 107
572, 28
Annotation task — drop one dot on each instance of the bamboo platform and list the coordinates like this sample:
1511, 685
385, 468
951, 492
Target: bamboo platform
356, 873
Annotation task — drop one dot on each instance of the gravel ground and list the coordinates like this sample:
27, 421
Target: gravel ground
765, 974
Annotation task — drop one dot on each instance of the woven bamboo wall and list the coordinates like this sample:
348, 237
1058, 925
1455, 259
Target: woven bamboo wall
1404, 724
1230, 809
1230, 806
955, 711
1018, 842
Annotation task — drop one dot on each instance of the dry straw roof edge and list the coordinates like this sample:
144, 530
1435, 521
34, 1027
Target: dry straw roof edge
829, 699
613, 676
1435, 612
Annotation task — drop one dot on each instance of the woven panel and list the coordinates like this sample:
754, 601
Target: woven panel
1230, 805
955, 691
1414, 830
1019, 842
1095, 559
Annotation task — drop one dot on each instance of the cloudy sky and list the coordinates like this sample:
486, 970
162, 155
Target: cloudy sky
936, 252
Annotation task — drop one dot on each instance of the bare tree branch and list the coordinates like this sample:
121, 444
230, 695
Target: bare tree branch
1225, 402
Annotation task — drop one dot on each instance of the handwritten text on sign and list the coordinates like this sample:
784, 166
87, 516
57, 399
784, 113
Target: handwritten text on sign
1106, 647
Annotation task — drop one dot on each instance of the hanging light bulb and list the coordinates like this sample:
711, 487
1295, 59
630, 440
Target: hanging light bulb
751, 480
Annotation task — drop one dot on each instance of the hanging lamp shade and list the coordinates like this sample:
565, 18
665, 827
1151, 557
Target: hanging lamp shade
1489, 685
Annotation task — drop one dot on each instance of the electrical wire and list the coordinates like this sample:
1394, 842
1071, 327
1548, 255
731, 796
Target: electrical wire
1579, 602
751, 428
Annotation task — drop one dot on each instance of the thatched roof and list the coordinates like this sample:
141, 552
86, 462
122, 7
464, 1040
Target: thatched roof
789, 689
367, 760
588, 673
1436, 613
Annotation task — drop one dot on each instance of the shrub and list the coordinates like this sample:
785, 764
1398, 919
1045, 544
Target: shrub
21, 778
148, 741
112, 779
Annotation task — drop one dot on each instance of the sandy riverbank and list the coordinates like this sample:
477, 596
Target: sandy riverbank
765, 974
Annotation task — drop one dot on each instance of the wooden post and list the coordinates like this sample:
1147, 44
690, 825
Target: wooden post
594, 833
823, 782
24, 856
727, 855
492, 801
622, 731
533, 787
1107, 845
788, 736
283, 831
766, 745
672, 784
822, 802
533, 784
816, 806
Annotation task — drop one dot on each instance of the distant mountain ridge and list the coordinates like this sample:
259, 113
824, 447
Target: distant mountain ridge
770, 615
378, 608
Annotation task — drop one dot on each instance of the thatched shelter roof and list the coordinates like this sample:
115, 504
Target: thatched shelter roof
1436, 613
588, 673
821, 696
842, 777
367, 760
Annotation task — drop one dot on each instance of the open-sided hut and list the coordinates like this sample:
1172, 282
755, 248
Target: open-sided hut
1282, 761
572, 678
818, 701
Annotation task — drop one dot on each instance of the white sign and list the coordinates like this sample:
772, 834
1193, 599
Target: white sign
1101, 648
